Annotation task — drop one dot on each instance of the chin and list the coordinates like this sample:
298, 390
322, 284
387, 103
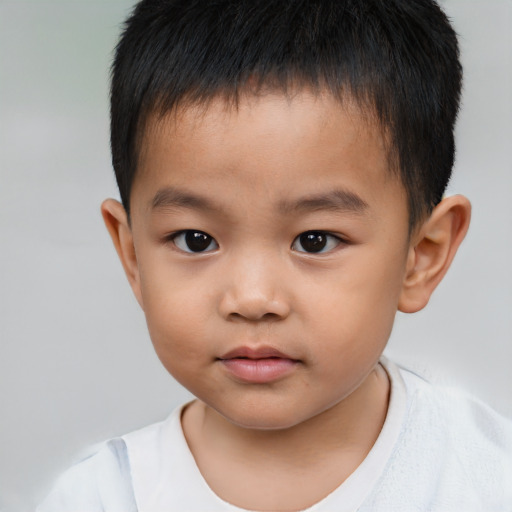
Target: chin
259, 424
254, 418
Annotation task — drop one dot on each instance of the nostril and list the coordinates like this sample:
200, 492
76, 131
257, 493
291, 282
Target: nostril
271, 316
250, 304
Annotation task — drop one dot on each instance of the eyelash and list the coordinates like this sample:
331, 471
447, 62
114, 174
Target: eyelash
320, 242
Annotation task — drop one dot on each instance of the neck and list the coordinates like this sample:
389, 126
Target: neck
329, 446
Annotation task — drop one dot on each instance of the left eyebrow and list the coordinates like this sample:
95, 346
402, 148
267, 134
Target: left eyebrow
171, 197
339, 200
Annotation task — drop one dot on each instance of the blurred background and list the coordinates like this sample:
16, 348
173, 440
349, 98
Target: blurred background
76, 363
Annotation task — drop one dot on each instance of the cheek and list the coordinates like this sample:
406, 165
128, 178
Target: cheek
356, 306
178, 342
177, 314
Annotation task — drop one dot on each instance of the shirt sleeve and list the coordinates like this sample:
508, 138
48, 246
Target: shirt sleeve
100, 483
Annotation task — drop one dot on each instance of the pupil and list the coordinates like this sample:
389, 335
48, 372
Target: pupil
313, 242
197, 241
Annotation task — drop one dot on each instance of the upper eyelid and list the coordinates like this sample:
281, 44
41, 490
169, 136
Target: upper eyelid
339, 236
168, 237
174, 234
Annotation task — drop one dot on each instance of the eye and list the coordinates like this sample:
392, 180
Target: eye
315, 242
194, 241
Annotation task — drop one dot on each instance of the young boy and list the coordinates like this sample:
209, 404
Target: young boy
282, 165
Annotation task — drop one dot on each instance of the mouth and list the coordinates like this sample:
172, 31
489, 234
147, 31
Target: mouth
254, 354
258, 365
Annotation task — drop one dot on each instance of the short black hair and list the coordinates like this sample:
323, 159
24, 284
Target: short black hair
398, 58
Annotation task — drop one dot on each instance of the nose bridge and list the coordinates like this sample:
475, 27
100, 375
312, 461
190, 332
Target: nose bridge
255, 287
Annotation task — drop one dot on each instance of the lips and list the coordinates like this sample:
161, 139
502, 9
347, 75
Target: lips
258, 365
263, 352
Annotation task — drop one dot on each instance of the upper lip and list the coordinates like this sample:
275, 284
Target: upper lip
263, 352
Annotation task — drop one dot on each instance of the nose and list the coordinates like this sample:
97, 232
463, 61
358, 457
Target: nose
255, 290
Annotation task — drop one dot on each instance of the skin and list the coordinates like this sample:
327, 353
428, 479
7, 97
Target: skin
255, 178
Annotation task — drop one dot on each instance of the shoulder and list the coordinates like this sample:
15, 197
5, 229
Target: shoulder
460, 416
105, 480
99, 482
453, 453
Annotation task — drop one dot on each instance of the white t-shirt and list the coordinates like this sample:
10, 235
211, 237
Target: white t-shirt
439, 451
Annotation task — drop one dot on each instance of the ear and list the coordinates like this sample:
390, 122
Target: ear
120, 231
432, 250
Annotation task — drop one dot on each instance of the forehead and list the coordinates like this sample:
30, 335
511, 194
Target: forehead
274, 144
285, 110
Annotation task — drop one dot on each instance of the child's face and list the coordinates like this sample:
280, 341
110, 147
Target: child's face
275, 232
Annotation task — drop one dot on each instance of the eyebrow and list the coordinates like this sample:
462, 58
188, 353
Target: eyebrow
171, 197
339, 200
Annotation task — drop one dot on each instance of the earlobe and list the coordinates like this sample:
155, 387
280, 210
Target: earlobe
432, 250
116, 221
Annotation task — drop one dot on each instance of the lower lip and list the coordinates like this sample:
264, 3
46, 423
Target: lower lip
259, 371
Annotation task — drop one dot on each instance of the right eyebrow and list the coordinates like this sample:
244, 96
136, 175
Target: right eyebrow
172, 197
339, 200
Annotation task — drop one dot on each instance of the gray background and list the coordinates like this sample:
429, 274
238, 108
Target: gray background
76, 365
